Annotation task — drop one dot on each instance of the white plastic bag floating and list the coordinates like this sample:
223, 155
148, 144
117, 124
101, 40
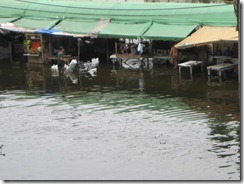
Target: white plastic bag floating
72, 65
54, 70
140, 48
93, 72
90, 65
70, 68
95, 62
54, 67
73, 78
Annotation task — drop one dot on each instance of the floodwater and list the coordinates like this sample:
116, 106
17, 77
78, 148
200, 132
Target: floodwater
119, 125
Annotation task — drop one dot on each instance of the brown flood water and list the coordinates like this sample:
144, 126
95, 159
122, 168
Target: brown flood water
119, 125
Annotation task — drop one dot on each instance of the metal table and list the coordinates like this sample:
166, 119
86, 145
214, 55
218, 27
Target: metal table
190, 64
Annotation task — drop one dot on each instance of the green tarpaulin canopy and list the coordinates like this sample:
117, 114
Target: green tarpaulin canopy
76, 26
124, 30
7, 19
36, 23
168, 32
173, 13
28, 24
125, 17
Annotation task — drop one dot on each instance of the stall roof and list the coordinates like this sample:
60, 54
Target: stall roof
77, 26
80, 28
77, 16
207, 34
124, 30
27, 24
168, 32
8, 19
167, 13
36, 23
11, 27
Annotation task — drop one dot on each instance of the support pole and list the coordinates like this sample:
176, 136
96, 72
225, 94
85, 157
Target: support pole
78, 45
50, 48
107, 51
191, 71
220, 76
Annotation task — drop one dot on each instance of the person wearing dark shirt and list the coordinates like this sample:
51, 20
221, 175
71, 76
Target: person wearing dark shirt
174, 56
218, 52
227, 52
61, 60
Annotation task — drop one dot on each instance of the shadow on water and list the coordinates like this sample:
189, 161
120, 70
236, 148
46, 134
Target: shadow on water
159, 92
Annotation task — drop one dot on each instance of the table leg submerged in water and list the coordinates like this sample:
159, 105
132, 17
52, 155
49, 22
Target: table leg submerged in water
191, 65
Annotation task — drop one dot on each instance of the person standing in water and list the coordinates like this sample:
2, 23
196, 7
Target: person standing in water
61, 60
174, 56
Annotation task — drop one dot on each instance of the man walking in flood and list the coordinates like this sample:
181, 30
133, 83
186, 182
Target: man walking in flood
174, 56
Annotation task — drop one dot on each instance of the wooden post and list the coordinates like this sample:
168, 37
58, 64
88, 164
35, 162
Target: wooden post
179, 70
50, 45
107, 51
116, 48
220, 76
49, 48
191, 68
78, 45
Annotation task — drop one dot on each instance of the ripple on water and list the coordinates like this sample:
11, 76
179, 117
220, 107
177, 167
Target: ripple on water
122, 127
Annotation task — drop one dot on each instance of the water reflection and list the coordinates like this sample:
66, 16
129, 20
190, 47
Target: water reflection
219, 102
175, 81
122, 116
1, 153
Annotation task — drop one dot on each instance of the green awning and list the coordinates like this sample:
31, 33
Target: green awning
124, 30
12, 8
35, 23
127, 19
212, 14
77, 26
168, 32
7, 19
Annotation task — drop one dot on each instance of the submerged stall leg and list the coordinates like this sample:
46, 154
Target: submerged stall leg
78, 59
191, 72
208, 72
179, 70
147, 63
220, 76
